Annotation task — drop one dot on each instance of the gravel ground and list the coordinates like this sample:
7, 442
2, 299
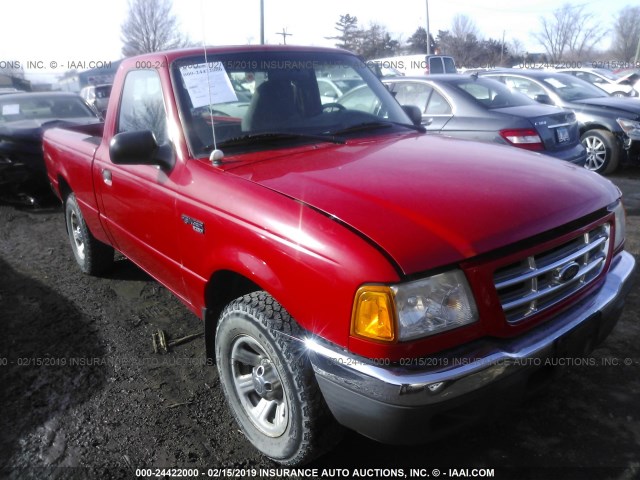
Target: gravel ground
83, 395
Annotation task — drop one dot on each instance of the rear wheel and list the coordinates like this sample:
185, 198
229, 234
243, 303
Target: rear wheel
603, 154
269, 383
93, 257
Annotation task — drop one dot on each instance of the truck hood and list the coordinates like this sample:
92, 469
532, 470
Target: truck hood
430, 201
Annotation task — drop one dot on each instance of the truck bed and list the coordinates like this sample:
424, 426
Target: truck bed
69, 153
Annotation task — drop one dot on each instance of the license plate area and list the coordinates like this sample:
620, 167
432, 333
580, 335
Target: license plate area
562, 135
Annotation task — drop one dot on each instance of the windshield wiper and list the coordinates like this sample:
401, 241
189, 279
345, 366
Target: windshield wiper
253, 138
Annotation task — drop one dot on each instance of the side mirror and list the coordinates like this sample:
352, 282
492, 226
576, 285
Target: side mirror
414, 114
543, 98
140, 148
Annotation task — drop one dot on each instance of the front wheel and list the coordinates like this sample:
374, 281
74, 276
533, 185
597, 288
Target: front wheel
603, 154
269, 383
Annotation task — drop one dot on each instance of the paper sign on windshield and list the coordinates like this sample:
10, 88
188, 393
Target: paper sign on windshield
11, 109
203, 91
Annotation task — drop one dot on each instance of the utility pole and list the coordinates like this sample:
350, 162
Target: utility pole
261, 22
428, 35
284, 35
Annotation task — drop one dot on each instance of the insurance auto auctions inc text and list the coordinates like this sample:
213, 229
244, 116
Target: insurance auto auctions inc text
370, 473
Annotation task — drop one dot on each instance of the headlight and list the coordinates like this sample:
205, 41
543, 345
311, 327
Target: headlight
620, 227
415, 309
628, 125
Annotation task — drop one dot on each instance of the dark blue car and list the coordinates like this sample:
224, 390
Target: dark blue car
609, 126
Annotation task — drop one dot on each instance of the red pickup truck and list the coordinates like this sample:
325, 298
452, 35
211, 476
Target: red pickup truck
349, 269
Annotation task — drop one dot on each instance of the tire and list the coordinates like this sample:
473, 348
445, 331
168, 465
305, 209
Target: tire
92, 256
603, 154
269, 383
619, 94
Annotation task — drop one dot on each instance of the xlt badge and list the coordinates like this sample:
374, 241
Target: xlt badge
197, 225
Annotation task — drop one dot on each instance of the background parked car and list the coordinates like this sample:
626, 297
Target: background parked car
482, 109
23, 118
612, 83
332, 89
97, 96
609, 127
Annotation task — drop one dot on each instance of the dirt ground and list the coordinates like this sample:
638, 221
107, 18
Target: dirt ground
82, 394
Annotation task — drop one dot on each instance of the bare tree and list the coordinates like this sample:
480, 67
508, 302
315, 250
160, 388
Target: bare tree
570, 33
463, 27
461, 41
626, 33
151, 27
516, 48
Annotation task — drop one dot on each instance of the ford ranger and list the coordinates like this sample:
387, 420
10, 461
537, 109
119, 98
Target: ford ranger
350, 270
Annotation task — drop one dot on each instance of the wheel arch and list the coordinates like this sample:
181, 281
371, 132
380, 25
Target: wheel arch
223, 287
608, 125
64, 190
595, 126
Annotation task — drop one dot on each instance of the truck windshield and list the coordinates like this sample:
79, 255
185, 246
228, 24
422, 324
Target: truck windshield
292, 96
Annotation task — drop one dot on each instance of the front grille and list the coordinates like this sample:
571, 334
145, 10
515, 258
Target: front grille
540, 281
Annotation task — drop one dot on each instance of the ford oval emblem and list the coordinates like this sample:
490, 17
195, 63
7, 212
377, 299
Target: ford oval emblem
566, 272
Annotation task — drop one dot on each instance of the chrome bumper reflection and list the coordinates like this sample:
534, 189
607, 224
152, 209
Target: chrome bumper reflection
471, 367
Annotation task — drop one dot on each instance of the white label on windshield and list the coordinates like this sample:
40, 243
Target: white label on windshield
11, 109
216, 88
554, 82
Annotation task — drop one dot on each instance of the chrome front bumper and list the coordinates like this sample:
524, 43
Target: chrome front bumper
387, 402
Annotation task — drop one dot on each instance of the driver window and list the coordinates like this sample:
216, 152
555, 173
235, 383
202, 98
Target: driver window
142, 105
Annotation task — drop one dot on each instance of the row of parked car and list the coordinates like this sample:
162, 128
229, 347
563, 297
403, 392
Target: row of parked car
551, 111
558, 114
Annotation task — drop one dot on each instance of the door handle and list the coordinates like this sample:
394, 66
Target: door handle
106, 177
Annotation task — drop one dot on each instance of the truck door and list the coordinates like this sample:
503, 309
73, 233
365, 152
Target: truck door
139, 201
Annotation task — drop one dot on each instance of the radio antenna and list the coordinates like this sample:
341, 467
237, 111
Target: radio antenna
216, 155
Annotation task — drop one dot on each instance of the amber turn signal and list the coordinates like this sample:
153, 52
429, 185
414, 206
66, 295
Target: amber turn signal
374, 314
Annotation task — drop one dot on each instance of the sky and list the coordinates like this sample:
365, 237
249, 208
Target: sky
46, 38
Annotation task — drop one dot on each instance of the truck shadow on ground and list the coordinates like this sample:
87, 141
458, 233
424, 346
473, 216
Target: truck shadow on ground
43, 370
